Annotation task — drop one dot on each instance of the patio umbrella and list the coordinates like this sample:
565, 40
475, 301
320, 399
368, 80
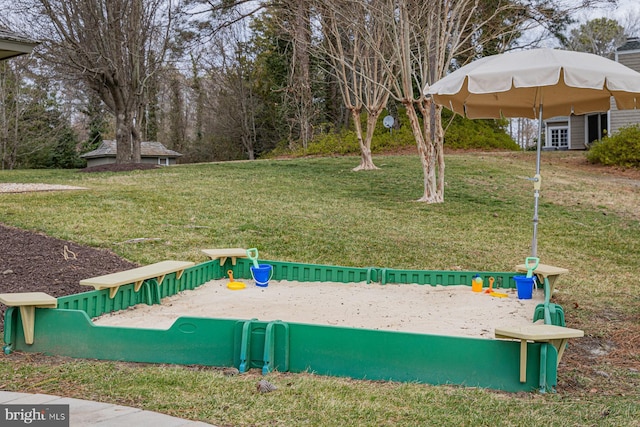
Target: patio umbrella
539, 83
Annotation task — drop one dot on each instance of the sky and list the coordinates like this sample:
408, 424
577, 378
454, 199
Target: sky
622, 12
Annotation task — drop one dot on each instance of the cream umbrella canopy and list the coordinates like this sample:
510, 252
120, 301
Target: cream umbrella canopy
539, 83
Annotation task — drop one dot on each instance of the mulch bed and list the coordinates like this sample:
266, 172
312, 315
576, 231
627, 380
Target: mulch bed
124, 167
32, 262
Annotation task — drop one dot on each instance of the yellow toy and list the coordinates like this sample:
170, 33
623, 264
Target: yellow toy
491, 292
233, 285
476, 284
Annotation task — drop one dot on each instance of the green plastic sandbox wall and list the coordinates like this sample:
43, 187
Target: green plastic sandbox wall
270, 344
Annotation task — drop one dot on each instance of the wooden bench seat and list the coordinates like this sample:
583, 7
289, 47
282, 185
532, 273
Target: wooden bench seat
223, 254
554, 335
547, 274
28, 301
137, 276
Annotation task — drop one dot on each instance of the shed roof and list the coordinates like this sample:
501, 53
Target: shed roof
13, 44
147, 149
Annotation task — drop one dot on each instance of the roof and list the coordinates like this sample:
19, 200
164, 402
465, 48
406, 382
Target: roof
632, 43
147, 149
13, 44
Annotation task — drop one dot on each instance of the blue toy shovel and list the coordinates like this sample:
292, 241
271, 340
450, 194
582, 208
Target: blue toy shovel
252, 254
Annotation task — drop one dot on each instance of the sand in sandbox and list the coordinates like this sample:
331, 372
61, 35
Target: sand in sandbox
440, 310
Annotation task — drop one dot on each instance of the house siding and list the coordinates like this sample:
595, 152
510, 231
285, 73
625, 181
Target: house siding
577, 126
621, 118
99, 161
630, 58
628, 55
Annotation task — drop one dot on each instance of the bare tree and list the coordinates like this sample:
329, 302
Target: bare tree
297, 23
429, 38
11, 110
235, 103
362, 76
631, 23
113, 46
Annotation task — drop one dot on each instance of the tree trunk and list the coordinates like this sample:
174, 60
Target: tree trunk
366, 159
301, 73
438, 141
429, 157
124, 138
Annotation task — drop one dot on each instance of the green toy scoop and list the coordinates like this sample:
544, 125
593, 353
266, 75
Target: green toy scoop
531, 263
252, 254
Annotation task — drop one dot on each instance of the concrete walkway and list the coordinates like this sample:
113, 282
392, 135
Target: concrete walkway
87, 413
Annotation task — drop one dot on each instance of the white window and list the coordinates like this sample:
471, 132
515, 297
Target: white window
558, 137
163, 161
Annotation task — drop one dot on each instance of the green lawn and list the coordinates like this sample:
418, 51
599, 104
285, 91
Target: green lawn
319, 211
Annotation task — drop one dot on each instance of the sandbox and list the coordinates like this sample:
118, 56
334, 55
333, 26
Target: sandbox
355, 346
441, 310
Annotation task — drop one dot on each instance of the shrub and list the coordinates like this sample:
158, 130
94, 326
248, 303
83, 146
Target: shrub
619, 149
461, 134
464, 133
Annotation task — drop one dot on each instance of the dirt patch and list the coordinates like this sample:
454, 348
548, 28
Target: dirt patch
578, 161
574, 160
12, 187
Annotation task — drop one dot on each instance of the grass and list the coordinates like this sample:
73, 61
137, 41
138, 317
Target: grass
319, 211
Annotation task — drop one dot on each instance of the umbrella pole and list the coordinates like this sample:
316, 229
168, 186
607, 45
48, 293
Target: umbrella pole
536, 187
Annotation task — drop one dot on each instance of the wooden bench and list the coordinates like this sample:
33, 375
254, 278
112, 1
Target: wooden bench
551, 334
548, 274
28, 301
223, 254
137, 276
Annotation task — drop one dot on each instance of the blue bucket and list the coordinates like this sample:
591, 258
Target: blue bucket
262, 274
524, 286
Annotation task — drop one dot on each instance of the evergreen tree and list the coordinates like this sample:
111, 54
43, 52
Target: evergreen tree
64, 154
97, 123
601, 36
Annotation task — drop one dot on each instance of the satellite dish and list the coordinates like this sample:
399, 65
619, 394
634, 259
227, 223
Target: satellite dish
388, 122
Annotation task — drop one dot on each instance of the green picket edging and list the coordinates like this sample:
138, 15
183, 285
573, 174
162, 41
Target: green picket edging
309, 272
341, 274
96, 303
401, 356
324, 350
445, 278
274, 345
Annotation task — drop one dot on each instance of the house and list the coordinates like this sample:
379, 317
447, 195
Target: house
152, 152
578, 132
12, 44
628, 54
